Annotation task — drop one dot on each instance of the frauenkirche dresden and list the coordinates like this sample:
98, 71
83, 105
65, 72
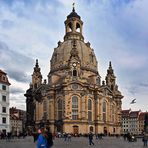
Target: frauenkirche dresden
73, 99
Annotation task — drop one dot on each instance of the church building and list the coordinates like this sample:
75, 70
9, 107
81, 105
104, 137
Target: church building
73, 99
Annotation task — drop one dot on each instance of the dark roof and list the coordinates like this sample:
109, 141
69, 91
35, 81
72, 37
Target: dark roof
134, 114
73, 14
125, 113
3, 78
142, 115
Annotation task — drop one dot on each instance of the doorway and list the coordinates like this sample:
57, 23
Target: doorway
75, 129
105, 131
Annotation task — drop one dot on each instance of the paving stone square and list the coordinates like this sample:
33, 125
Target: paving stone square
76, 142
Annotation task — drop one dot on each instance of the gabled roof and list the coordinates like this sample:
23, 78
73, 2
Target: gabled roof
105, 87
142, 115
14, 117
125, 113
3, 78
134, 114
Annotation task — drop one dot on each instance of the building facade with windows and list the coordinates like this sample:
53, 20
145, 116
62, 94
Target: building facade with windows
74, 99
133, 122
4, 102
17, 120
125, 114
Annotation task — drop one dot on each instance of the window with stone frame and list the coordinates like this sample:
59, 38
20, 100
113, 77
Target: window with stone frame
74, 73
104, 111
4, 120
60, 109
3, 87
3, 109
44, 106
74, 107
113, 113
89, 110
45, 110
4, 98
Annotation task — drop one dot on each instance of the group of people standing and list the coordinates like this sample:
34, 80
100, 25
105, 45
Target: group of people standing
45, 138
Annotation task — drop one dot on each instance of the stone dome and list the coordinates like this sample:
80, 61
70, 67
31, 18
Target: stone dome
61, 55
73, 49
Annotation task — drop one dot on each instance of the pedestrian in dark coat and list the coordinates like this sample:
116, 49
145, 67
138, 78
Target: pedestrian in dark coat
145, 139
49, 138
90, 136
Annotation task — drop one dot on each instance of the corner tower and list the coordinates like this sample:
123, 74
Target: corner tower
36, 76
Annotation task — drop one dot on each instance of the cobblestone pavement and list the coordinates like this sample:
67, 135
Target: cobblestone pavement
107, 142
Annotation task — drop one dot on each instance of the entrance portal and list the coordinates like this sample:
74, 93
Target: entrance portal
105, 131
75, 129
91, 129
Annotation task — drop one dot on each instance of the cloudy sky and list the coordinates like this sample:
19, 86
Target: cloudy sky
116, 29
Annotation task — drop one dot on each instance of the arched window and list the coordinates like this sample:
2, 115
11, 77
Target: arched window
89, 110
74, 107
74, 102
78, 27
112, 87
91, 129
104, 106
35, 86
89, 104
74, 73
104, 111
69, 27
44, 110
44, 106
60, 109
91, 58
113, 113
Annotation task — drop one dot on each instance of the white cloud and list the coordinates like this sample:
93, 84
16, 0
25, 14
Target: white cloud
116, 29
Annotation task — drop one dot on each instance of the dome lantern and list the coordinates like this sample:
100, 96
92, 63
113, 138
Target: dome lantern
73, 26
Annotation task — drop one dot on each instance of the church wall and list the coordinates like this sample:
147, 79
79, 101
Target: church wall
82, 128
39, 111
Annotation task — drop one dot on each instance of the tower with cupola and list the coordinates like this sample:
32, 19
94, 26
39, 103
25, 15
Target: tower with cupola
73, 99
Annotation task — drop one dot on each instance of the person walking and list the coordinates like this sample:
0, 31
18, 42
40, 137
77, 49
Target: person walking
90, 136
69, 137
42, 141
65, 136
49, 138
145, 139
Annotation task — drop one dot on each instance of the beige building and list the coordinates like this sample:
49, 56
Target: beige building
125, 114
15, 125
74, 100
133, 122
17, 120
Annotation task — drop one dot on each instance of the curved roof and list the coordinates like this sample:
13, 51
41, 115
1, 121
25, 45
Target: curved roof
62, 54
73, 14
4, 78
